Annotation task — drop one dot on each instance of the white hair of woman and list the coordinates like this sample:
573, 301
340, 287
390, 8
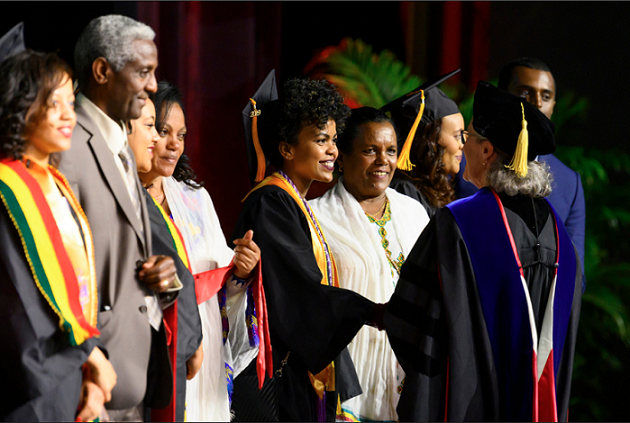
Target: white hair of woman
536, 184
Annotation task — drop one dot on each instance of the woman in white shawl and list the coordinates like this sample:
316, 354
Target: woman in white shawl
370, 228
171, 183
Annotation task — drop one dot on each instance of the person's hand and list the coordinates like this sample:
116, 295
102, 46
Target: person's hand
92, 400
101, 372
158, 273
246, 255
194, 363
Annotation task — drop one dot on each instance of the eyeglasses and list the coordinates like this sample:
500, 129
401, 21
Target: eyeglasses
462, 136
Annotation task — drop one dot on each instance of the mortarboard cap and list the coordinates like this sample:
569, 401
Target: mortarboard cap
262, 104
425, 104
12, 42
512, 125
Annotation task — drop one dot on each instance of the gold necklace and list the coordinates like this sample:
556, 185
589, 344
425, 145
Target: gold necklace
380, 212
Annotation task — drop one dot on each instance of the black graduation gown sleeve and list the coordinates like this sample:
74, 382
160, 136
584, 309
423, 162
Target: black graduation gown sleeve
436, 303
312, 321
40, 371
189, 334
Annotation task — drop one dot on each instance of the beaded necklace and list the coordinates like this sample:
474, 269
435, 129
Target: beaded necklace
396, 264
315, 223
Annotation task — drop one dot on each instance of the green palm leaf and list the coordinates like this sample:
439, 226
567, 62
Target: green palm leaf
368, 78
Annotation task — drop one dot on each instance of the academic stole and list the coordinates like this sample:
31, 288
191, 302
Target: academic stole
168, 414
324, 380
43, 246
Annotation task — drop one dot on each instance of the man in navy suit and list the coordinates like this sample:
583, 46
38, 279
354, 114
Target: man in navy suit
531, 78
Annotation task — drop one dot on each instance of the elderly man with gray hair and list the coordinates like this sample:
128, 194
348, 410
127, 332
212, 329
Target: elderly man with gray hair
115, 62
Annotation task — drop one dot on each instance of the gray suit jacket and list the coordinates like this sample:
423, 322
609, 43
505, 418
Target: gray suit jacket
119, 242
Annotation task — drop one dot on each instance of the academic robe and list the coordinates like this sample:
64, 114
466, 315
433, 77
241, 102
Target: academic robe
460, 327
407, 187
188, 321
40, 372
310, 322
567, 198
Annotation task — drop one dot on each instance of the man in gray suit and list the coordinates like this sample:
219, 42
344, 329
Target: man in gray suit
115, 62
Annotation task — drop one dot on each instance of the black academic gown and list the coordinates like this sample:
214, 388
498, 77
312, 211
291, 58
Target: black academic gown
40, 372
436, 325
189, 333
310, 321
408, 188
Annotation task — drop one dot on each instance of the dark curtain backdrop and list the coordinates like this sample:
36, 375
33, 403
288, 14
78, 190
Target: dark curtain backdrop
217, 54
443, 36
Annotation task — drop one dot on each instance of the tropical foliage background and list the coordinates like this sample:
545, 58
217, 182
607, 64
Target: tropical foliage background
367, 78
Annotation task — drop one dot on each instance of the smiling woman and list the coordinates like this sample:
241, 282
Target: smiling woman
171, 182
49, 296
311, 320
143, 137
371, 229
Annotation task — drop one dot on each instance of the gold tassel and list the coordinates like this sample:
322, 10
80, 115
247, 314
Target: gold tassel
519, 160
262, 163
404, 162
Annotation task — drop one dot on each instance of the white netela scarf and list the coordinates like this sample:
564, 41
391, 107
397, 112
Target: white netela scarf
363, 267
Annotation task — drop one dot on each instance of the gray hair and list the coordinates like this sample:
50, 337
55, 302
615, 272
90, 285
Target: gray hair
110, 37
536, 184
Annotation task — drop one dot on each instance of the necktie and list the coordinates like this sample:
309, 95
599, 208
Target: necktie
154, 312
125, 157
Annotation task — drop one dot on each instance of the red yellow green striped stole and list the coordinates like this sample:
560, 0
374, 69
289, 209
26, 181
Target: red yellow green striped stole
48, 260
178, 241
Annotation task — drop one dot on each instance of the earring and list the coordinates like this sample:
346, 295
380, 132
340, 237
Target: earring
340, 169
484, 163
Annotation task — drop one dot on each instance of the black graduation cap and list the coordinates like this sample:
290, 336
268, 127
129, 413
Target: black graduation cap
12, 42
513, 125
262, 104
425, 104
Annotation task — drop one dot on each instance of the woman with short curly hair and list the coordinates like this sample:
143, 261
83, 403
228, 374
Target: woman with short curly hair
311, 320
52, 366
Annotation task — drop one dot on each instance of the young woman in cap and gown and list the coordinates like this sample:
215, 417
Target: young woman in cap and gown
370, 228
311, 319
484, 317
431, 135
52, 364
226, 280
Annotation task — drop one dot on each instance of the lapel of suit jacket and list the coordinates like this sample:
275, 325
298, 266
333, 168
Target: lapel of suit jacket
105, 160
